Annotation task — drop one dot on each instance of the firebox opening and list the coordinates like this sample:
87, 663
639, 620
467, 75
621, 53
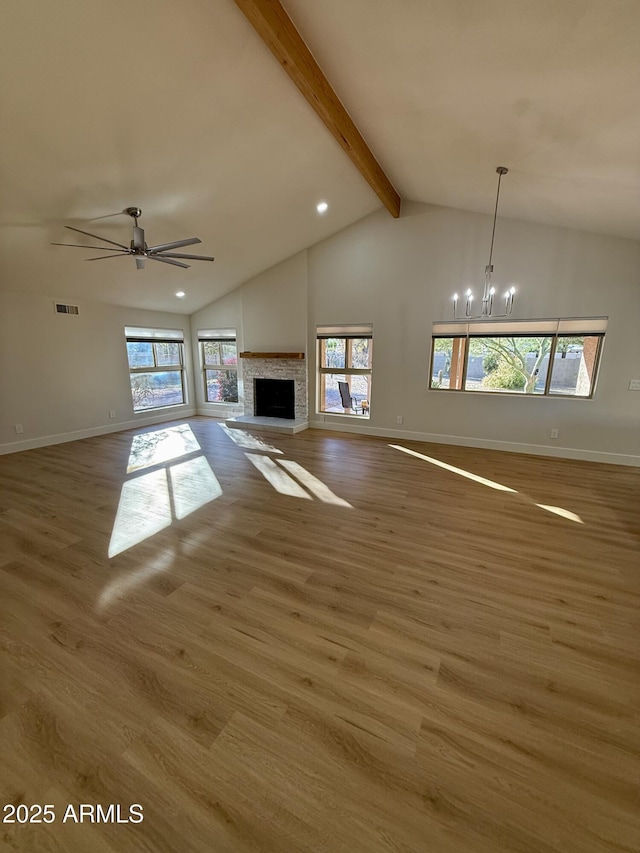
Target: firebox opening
275, 398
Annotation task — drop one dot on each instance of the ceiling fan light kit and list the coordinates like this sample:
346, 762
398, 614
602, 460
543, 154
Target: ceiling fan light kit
138, 247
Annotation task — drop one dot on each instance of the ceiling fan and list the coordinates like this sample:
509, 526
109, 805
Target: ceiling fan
138, 248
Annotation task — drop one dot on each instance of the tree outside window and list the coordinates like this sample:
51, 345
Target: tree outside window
219, 358
156, 372
540, 364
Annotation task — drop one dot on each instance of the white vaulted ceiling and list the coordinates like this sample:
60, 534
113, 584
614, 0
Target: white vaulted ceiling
178, 107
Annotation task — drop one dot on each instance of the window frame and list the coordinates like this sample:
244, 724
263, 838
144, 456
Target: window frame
586, 327
348, 334
219, 336
596, 362
155, 337
463, 373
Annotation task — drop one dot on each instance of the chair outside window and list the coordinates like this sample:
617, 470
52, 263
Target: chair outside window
349, 401
344, 365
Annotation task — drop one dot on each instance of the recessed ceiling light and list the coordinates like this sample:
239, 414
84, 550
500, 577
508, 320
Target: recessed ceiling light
322, 207
180, 294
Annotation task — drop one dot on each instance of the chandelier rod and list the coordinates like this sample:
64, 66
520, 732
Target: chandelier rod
486, 304
501, 170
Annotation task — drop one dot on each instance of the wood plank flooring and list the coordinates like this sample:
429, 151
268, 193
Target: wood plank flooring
364, 652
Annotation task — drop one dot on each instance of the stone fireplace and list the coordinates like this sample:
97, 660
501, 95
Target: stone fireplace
275, 366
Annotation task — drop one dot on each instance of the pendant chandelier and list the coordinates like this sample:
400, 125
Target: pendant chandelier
487, 308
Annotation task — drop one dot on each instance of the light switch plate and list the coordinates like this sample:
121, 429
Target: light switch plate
634, 385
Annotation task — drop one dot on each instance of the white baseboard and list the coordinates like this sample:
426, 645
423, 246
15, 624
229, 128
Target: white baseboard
219, 410
76, 435
487, 444
358, 429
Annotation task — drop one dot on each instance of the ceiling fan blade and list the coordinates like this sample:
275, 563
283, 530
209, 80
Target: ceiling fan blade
97, 236
166, 247
138, 237
167, 261
80, 246
180, 255
139, 263
106, 216
102, 257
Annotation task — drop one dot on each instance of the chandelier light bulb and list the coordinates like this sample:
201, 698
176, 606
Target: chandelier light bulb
455, 297
512, 290
492, 291
469, 292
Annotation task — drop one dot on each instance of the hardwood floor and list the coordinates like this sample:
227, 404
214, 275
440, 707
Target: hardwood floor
364, 652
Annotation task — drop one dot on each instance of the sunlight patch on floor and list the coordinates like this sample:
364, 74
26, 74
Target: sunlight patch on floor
144, 510
247, 441
193, 484
556, 510
150, 502
564, 513
460, 471
279, 479
315, 486
161, 445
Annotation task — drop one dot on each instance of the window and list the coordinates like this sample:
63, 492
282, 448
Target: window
219, 359
345, 358
156, 367
540, 357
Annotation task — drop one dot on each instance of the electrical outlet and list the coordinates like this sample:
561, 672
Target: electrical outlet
399, 419
112, 414
634, 385
555, 433
19, 429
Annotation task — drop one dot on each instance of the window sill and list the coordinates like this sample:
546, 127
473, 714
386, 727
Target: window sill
159, 408
351, 415
510, 394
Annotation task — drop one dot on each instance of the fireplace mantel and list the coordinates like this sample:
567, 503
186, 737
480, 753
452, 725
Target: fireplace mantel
299, 355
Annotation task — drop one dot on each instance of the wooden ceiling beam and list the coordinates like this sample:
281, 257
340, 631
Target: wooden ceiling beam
275, 27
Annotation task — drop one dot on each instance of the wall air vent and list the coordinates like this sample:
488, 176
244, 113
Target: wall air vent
61, 308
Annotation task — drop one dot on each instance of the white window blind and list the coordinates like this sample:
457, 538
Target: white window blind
363, 330
216, 334
576, 325
496, 328
147, 334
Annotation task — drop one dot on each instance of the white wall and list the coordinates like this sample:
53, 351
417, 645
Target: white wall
400, 275
274, 308
269, 313
60, 375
